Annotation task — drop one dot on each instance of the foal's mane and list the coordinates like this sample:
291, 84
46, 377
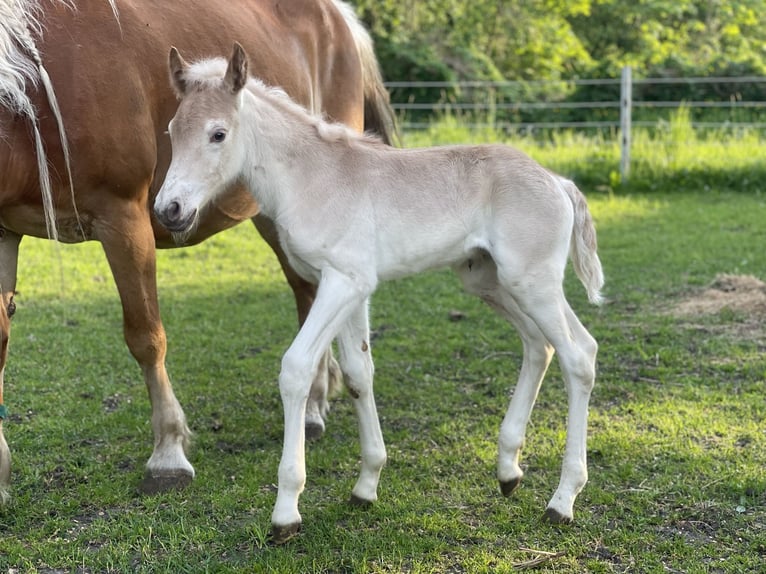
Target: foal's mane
209, 73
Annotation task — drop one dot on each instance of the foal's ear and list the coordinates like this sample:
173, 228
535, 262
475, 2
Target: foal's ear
236, 73
177, 72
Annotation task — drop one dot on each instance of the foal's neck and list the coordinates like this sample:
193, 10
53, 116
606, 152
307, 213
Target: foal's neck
285, 144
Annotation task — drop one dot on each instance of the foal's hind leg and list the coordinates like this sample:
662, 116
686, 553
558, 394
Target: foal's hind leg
128, 243
480, 278
328, 377
540, 296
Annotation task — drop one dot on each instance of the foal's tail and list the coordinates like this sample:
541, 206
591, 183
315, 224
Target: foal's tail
379, 116
583, 250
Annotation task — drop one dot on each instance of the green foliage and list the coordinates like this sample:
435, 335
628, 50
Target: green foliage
551, 39
670, 156
558, 40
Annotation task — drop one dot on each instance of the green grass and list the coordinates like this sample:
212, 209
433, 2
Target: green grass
669, 157
677, 446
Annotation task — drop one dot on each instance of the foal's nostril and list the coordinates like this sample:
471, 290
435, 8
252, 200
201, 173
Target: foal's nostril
173, 216
173, 211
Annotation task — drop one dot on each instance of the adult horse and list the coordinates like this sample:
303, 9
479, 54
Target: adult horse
82, 155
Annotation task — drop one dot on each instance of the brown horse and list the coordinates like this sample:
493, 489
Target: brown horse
82, 158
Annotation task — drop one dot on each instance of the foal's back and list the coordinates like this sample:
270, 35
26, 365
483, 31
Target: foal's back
434, 207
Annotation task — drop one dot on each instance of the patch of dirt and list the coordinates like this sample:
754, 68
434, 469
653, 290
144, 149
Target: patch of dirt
740, 299
738, 293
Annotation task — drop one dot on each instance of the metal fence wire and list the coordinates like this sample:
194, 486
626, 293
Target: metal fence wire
614, 104
595, 103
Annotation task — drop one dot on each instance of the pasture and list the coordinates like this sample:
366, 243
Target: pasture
677, 437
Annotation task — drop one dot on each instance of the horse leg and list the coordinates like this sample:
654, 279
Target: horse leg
337, 297
328, 376
479, 277
128, 243
9, 256
357, 366
540, 296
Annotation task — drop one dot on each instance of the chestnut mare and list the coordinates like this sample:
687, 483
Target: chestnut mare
84, 91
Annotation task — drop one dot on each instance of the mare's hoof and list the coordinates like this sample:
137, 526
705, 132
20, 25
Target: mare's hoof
314, 430
155, 484
509, 486
359, 502
555, 517
281, 534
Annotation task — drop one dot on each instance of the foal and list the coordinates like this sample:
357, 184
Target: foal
352, 212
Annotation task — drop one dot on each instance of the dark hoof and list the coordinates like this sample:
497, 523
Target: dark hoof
359, 502
508, 487
164, 483
314, 431
281, 534
555, 517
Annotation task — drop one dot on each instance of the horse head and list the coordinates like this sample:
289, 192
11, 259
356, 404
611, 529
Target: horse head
207, 150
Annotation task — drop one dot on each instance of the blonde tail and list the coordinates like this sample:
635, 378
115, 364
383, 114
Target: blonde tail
583, 250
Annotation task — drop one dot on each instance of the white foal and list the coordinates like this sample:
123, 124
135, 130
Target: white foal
351, 212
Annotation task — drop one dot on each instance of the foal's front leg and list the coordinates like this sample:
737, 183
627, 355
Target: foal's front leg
337, 297
356, 364
327, 378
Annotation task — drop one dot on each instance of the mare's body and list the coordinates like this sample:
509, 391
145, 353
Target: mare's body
110, 81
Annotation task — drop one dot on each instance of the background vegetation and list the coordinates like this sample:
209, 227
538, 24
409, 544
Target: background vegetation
560, 40
564, 39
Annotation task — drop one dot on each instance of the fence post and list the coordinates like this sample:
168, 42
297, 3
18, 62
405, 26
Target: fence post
626, 101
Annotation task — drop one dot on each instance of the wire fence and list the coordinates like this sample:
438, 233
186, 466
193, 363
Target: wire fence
713, 102
613, 104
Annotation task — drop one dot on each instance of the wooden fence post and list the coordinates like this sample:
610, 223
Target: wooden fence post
626, 101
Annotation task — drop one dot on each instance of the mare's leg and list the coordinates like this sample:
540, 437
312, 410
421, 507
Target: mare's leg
480, 278
337, 297
128, 243
9, 255
328, 377
356, 364
540, 296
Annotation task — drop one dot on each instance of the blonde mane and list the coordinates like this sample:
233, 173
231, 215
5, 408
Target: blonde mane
210, 72
21, 67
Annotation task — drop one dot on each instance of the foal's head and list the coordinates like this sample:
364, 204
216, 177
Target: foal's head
204, 133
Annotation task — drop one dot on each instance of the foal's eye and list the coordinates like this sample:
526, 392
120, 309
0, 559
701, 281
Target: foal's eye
218, 136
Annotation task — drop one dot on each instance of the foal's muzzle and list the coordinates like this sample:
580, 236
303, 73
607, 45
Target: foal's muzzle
173, 217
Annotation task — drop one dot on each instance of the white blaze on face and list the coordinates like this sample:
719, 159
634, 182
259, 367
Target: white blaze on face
203, 162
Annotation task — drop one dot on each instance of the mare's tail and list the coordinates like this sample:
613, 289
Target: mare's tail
21, 66
583, 249
379, 117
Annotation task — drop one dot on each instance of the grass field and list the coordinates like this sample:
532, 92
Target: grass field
677, 441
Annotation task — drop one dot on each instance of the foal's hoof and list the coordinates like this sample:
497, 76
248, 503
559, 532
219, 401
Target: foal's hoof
509, 486
314, 430
157, 483
281, 534
555, 517
362, 503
